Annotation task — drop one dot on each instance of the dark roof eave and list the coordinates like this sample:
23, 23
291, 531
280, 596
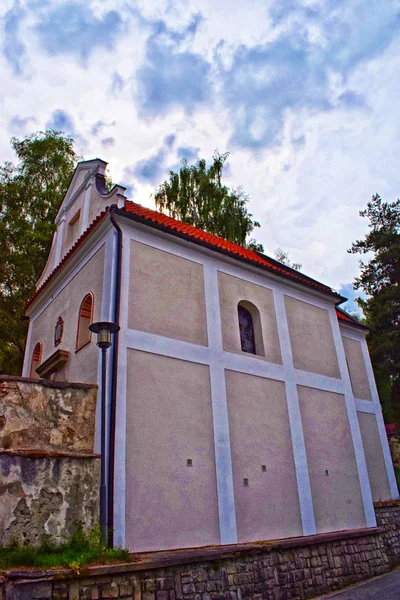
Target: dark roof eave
350, 321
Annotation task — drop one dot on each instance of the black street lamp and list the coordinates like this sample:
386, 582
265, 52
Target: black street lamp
103, 330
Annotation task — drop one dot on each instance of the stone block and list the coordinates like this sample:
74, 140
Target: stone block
119, 579
85, 593
42, 590
110, 590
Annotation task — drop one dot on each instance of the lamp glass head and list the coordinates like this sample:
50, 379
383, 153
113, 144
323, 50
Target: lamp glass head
104, 330
104, 337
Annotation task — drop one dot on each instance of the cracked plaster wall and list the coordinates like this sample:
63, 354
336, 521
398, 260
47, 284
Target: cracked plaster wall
46, 495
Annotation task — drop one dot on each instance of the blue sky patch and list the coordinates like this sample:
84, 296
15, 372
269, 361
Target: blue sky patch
13, 48
60, 121
75, 29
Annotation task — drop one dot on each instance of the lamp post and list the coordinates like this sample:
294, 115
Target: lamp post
103, 329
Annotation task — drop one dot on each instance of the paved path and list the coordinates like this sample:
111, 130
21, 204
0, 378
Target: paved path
385, 587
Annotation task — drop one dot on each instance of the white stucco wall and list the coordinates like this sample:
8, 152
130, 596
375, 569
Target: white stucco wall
311, 338
268, 507
169, 421
166, 295
332, 464
81, 365
374, 456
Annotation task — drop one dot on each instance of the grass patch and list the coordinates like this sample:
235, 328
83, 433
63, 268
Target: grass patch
82, 549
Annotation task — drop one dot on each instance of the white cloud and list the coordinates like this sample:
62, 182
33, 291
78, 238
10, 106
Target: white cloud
307, 187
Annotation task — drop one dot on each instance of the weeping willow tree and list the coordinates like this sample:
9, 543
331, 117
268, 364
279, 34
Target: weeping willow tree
197, 196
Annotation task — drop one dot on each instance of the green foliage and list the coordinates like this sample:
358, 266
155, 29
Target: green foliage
397, 471
380, 278
355, 314
30, 195
283, 257
196, 195
83, 548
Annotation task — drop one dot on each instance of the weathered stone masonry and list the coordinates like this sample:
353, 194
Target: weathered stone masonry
49, 476
388, 518
296, 568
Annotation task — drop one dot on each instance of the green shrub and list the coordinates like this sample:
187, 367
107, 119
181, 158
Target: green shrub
397, 471
83, 548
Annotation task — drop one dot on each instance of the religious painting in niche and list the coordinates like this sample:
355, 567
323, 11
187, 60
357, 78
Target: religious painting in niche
246, 329
58, 331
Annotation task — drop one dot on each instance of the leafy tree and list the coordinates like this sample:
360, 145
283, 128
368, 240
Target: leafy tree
380, 278
30, 195
196, 195
283, 257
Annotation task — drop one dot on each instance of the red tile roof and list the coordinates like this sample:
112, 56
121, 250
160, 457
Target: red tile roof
343, 316
162, 221
199, 236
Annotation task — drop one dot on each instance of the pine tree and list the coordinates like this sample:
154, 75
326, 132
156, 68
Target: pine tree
380, 279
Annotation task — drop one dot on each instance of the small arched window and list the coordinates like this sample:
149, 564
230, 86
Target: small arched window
250, 328
85, 319
36, 359
246, 330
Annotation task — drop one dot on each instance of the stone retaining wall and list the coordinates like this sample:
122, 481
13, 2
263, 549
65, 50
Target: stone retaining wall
388, 518
296, 568
49, 476
38, 414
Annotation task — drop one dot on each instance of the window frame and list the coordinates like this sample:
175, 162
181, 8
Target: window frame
32, 372
86, 342
257, 328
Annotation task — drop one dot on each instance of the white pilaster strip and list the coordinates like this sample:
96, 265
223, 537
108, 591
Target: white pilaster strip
296, 427
365, 406
26, 368
59, 239
379, 421
158, 344
86, 208
222, 445
353, 422
120, 421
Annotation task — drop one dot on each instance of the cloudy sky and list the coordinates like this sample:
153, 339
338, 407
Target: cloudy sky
304, 94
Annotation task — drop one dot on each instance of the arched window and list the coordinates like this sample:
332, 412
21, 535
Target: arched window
250, 328
246, 330
85, 318
36, 359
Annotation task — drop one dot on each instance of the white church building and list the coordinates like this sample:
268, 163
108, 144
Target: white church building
242, 404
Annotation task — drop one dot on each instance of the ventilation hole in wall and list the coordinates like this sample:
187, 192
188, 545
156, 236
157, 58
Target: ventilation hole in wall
326, 472
189, 462
245, 482
263, 468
